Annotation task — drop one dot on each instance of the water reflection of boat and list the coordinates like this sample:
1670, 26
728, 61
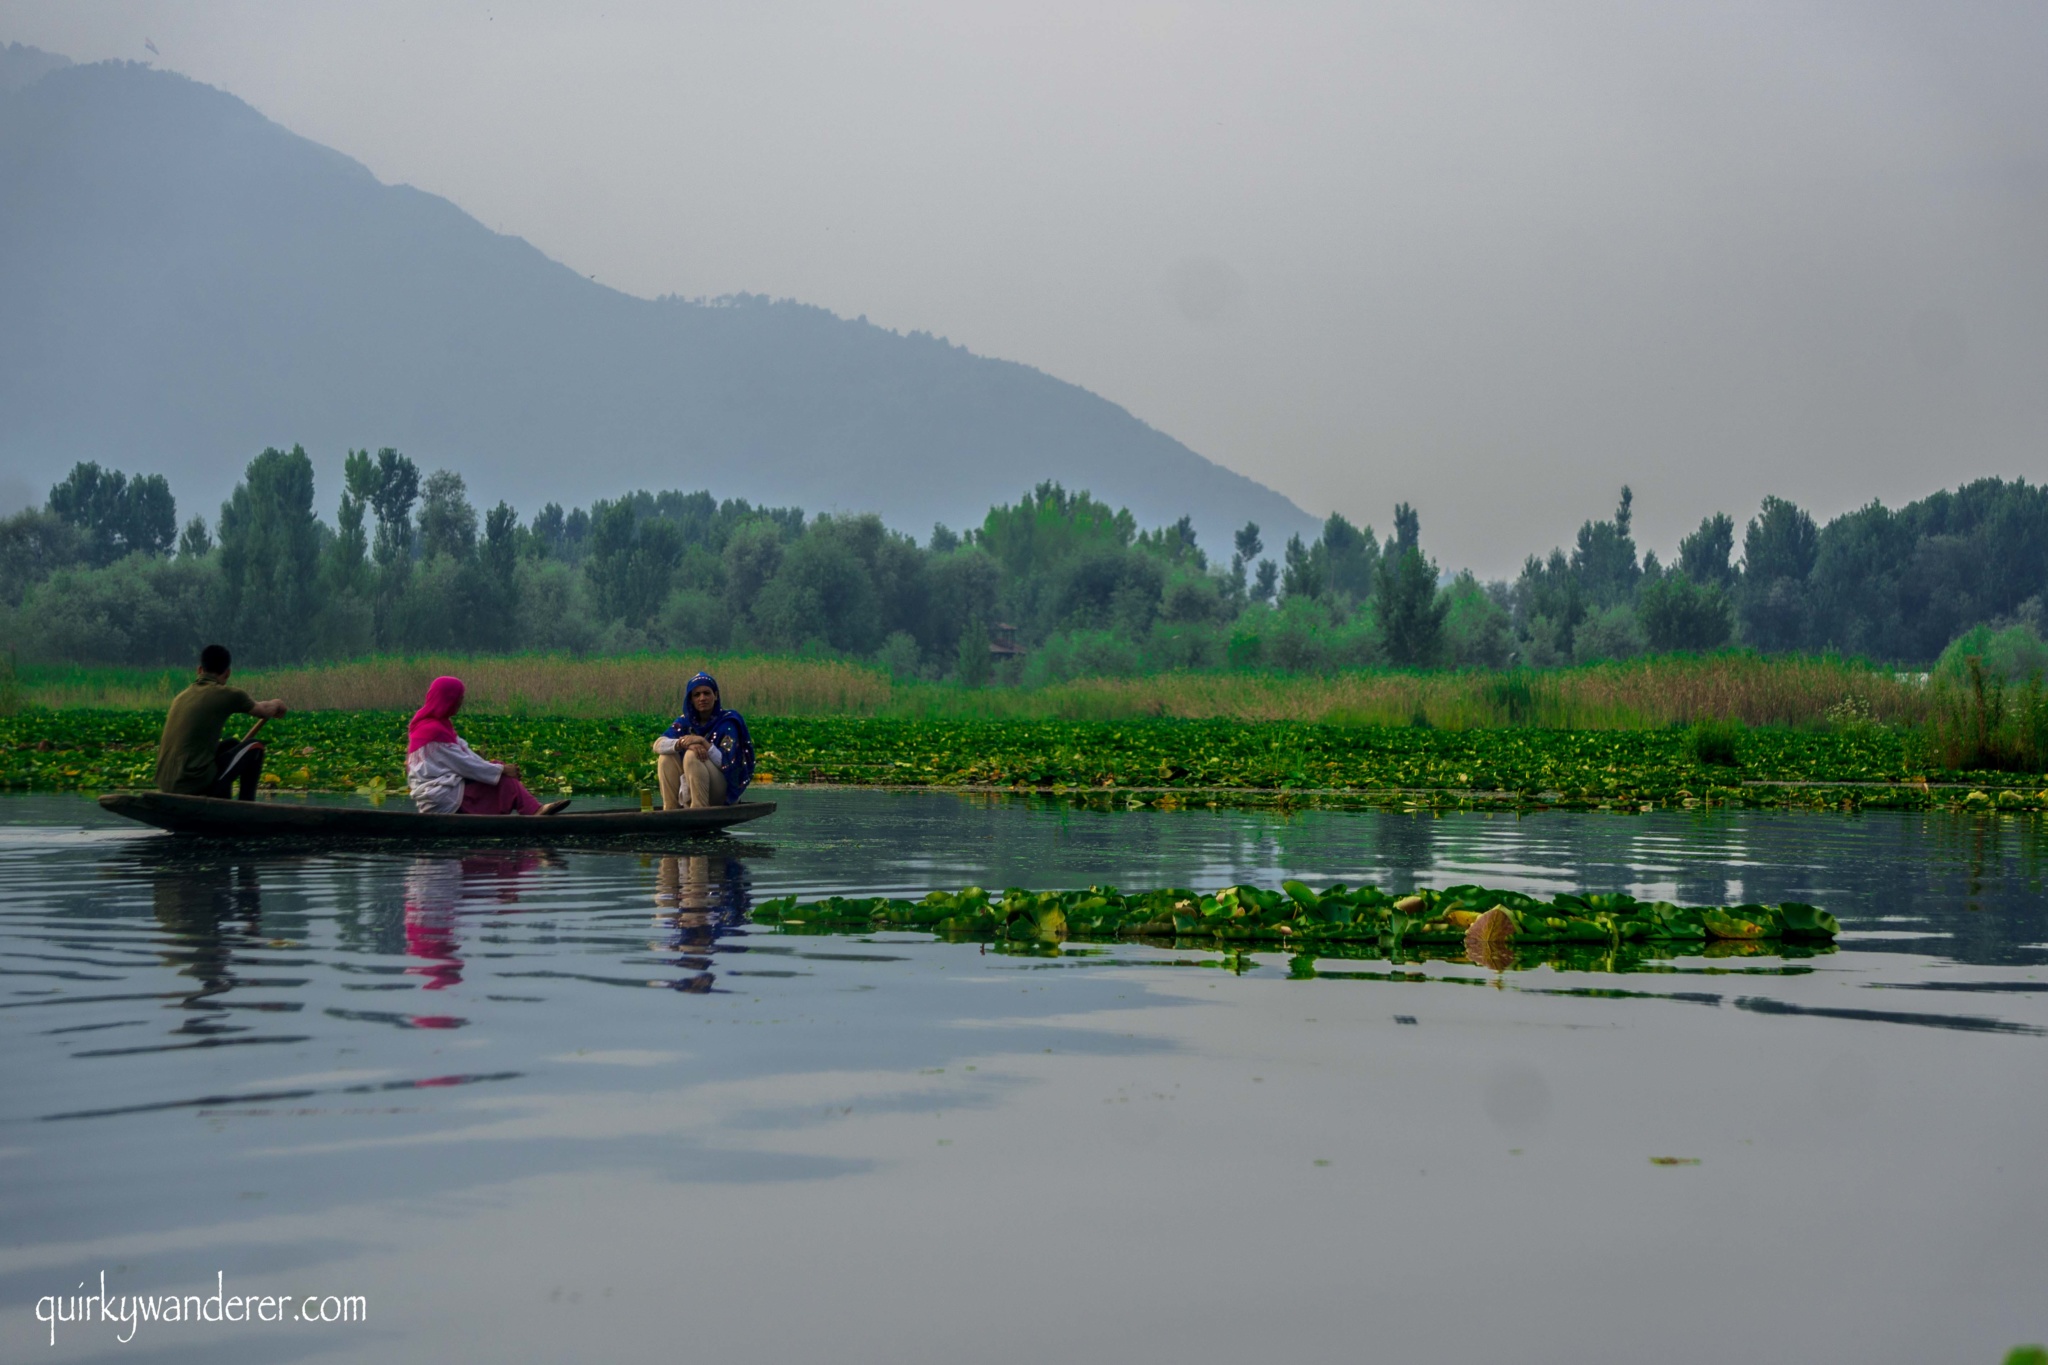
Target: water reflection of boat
697, 898
206, 815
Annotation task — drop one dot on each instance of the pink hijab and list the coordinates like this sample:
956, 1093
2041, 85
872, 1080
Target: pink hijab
430, 723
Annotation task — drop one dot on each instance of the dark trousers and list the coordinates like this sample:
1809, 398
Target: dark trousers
242, 771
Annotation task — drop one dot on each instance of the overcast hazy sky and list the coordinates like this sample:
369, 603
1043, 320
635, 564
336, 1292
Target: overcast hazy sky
1492, 259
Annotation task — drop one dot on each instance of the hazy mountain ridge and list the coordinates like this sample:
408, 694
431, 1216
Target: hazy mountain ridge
185, 282
22, 65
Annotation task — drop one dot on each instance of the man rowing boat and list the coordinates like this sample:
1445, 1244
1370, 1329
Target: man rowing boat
191, 757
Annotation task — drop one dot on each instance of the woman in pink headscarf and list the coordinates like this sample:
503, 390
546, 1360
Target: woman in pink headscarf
448, 776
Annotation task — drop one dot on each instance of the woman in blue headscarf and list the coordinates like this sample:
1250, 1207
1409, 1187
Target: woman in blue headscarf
706, 758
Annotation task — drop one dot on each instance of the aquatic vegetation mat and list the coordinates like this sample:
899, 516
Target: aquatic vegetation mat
1491, 927
1157, 762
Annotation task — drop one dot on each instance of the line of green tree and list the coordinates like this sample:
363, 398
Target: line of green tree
103, 574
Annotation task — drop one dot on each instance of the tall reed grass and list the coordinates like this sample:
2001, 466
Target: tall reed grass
555, 685
1982, 721
1673, 690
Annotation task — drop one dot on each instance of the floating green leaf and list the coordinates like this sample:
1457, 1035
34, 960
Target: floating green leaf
1510, 925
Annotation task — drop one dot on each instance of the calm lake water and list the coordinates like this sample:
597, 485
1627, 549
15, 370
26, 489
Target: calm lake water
559, 1105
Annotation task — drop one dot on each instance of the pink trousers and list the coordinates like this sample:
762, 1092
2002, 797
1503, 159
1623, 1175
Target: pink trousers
509, 796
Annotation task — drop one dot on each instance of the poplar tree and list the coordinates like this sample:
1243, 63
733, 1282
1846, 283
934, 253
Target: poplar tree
269, 558
1411, 615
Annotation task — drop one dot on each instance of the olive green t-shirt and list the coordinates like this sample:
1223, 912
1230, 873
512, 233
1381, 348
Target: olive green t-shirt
184, 756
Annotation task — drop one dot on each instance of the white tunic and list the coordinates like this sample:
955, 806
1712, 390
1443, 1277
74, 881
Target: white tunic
437, 772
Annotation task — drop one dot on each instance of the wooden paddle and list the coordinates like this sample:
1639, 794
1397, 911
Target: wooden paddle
242, 747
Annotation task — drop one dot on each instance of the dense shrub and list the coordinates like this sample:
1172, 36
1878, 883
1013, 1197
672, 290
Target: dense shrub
1478, 632
140, 610
34, 545
1712, 743
2013, 654
1981, 721
1612, 633
1082, 654
556, 614
1678, 613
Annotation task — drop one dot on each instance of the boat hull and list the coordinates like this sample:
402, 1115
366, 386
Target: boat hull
221, 819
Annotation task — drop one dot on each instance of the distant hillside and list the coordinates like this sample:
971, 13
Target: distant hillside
21, 65
183, 282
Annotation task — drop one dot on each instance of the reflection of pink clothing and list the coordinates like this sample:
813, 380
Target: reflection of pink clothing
430, 934
506, 796
434, 891
432, 888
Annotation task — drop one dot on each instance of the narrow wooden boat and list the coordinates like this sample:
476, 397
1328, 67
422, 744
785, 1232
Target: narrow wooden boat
223, 819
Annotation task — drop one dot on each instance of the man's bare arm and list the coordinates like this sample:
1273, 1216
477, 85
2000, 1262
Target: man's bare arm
268, 710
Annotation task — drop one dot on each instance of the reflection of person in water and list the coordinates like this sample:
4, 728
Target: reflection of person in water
697, 898
198, 905
432, 888
434, 891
